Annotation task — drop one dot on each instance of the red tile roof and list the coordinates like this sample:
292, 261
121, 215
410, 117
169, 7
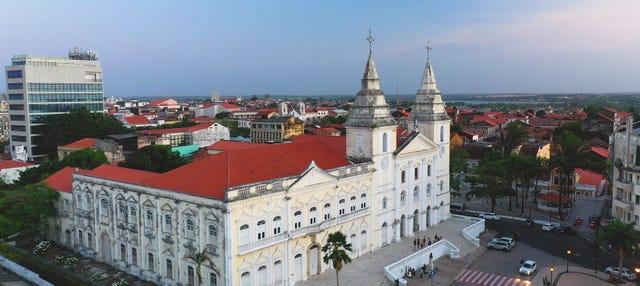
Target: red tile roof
122, 174
229, 106
82, 143
226, 145
209, 177
207, 105
337, 143
589, 178
159, 101
61, 180
202, 119
13, 164
600, 151
136, 120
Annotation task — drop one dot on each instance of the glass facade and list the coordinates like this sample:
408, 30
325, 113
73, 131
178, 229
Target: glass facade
64, 107
14, 74
18, 63
17, 138
15, 85
16, 96
65, 87
18, 128
16, 117
16, 106
65, 97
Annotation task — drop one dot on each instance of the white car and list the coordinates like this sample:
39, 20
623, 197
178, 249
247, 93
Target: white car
528, 267
626, 273
490, 216
508, 240
547, 226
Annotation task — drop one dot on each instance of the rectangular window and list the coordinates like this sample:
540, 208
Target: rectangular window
18, 128
14, 85
16, 106
415, 173
429, 170
14, 74
16, 96
17, 138
638, 155
134, 256
16, 117
169, 269
402, 177
637, 200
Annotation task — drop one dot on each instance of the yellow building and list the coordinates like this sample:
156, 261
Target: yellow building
275, 129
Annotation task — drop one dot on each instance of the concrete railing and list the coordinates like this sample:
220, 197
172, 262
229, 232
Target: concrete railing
24, 273
419, 258
471, 232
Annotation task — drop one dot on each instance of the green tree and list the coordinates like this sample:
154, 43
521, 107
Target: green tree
514, 136
526, 168
336, 252
37, 174
223, 114
489, 180
86, 158
154, 158
201, 258
541, 113
568, 154
26, 209
622, 235
458, 165
65, 128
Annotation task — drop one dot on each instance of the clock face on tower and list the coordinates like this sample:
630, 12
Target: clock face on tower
442, 151
384, 163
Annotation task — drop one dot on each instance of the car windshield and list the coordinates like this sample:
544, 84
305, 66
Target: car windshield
527, 265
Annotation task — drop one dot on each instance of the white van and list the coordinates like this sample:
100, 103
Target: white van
547, 226
457, 206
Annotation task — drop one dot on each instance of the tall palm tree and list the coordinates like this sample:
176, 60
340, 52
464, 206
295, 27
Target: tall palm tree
200, 258
568, 154
335, 251
622, 235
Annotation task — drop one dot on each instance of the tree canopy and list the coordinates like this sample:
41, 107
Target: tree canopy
26, 208
154, 158
622, 235
336, 252
65, 128
86, 159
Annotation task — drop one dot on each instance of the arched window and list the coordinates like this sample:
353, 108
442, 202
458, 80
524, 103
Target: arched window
133, 212
89, 240
297, 220
244, 234
104, 208
213, 279
428, 189
261, 229
277, 225
327, 211
384, 142
416, 193
167, 223
363, 201
148, 218
441, 133
363, 240
277, 273
150, 262
134, 256
123, 252
80, 237
87, 202
212, 234
352, 204
191, 277
189, 228
313, 212
403, 197
169, 268
121, 211
341, 206
384, 203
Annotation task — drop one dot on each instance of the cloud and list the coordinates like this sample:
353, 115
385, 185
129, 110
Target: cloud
584, 28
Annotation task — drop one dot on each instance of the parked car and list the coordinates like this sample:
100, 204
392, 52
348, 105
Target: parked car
508, 240
527, 223
564, 230
499, 245
528, 267
547, 226
510, 234
490, 216
626, 273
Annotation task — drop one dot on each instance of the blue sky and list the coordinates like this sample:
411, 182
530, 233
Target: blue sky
191, 48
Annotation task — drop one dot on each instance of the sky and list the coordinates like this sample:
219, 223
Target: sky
303, 48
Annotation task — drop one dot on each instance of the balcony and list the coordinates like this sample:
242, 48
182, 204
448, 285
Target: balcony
624, 184
353, 215
312, 229
212, 249
269, 241
622, 204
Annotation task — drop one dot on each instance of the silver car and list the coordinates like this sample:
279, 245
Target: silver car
626, 273
499, 245
528, 267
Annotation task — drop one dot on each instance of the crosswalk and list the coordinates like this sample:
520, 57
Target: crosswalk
489, 279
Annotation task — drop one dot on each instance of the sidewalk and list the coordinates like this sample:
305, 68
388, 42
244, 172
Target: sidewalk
576, 276
369, 268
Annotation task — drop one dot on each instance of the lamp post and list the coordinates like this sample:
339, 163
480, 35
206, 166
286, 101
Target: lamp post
568, 253
551, 269
637, 270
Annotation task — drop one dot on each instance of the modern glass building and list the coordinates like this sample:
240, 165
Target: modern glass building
43, 86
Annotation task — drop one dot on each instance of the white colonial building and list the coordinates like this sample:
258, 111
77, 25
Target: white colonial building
263, 211
625, 152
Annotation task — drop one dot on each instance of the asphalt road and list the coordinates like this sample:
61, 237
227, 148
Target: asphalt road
583, 252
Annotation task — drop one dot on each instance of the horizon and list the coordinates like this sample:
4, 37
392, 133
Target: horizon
167, 49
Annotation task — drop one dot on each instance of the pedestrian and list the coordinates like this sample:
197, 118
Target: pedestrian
415, 243
429, 241
521, 261
424, 241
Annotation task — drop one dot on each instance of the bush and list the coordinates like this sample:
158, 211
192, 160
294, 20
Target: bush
59, 259
42, 247
70, 261
96, 276
122, 282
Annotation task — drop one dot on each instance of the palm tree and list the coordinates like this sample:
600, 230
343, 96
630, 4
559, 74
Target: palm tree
568, 154
200, 258
335, 251
622, 235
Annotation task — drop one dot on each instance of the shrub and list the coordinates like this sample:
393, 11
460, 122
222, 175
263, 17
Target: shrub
42, 247
122, 282
59, 259
96, 276
70, 261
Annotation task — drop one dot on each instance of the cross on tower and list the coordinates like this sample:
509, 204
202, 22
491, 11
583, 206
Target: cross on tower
370, 39
428, 49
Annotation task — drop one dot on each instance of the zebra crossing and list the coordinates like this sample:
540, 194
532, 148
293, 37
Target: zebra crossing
489, 279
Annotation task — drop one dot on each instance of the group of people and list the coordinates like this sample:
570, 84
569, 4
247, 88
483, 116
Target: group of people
420, 243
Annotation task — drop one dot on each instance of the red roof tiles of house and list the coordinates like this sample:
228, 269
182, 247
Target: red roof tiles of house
83, 143
207, 105
13, 164
202, 119
230, 106
61, 180
159, 101
337, 143
136, 120
122, 174
589, 178
209, 177
600, 151
226, 145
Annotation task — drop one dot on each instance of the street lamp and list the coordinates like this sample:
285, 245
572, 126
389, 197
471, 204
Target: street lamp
551, 269
637, 270
568, 253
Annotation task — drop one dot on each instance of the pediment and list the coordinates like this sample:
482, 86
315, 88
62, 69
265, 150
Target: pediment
313, 175
417, 144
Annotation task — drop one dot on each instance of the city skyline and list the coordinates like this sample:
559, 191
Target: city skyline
170, 49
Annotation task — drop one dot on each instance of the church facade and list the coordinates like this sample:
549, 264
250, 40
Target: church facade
262, 212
